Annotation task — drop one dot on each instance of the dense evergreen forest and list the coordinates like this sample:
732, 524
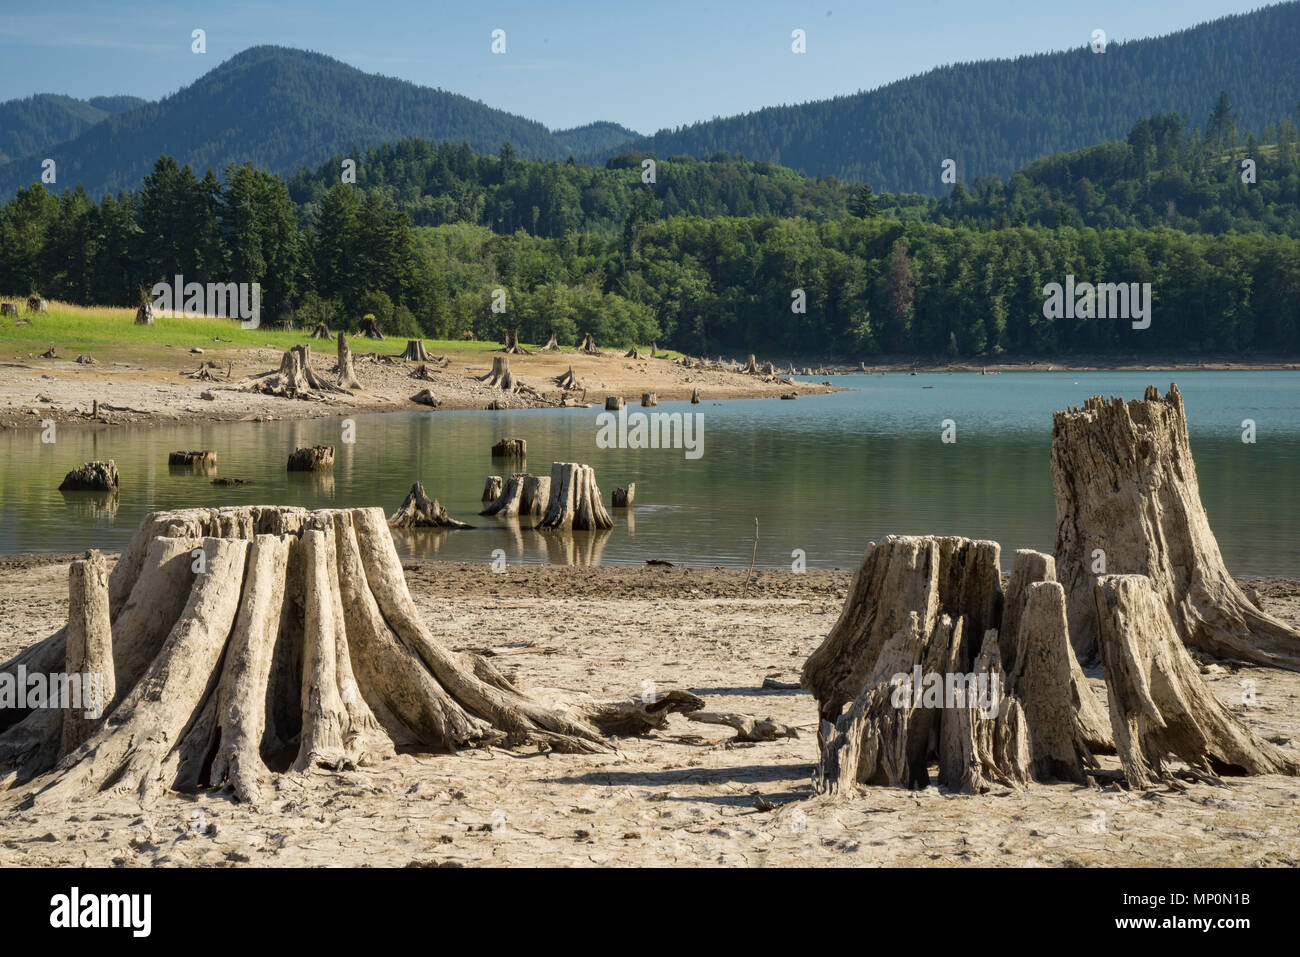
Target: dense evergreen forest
873, 281
995, 116
36, 122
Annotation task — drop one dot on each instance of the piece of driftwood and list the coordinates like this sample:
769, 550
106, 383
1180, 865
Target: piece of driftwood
419, 511
296, 649
523, 494
317, 458
574, 501
746, 728
1127, 502
92, 477
1160, 706
426, 397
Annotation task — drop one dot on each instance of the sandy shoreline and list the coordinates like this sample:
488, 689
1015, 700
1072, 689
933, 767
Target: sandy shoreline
686, 795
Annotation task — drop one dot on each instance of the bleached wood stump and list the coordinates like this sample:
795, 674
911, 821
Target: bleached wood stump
491, 488
1126, 494
512, 346
523, 494
575, 501
257, 641
568, 381
321, 331
415, 351
295, 379
346, 372
1160, 706
551, 344
649, 399
588, 346
695, 397
419, 511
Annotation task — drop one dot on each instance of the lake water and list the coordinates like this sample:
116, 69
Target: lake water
823, 474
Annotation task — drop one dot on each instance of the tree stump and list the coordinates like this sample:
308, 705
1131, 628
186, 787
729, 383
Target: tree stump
370, 328
205, 459
613, 403
695, 397
321, 331
510, 448
633, 353
568, 381
588, 346
92, 477
89, 649
35, 304
347, 374
767, 369
751, 367
144, 314
575, 501
1159, 704
295, 379
500, 375
426, 397
415, 351
1126, 487
551, 344
491, 488
523, 494
11, 309
419, 511
623, 497
649, 399
318, 458
252, 642
512, 346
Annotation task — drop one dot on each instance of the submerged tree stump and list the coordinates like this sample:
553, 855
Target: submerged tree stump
419, 511
523, 494
347, 374
613, 403
588, 346
317, 458
623, 497
575, 501
1159, 704
205, 459
491, 488
649, 399
295, 378
551, 344
92, 477
1127, 502
695, 397
415, 351
510, 448
252, 642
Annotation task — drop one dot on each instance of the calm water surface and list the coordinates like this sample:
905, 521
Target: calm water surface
825, 474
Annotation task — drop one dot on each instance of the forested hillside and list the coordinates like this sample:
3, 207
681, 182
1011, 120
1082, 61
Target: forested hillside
995, 116
34, 124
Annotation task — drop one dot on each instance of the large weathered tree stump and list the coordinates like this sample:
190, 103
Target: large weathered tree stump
321, 331
575, 501
415, 351
260, 641
1159, 704
346, 372
1127, 502
551, 344
567, 381
317, 458
491, 488
11, 309
751, 367
295, 379
369, 328
501, 377
588, 346
523, 495
419, 511
92, 477
512, 346
509, 448
613, 403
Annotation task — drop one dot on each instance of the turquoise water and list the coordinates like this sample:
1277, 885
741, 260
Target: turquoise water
823, 474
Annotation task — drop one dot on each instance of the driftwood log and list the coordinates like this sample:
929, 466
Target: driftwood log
574, 501
261, 641
1160, 706
523, 494
1127, 495
317, 458
491, 488
419, 511
92, 477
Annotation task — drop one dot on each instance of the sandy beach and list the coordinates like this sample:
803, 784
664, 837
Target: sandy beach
686, 795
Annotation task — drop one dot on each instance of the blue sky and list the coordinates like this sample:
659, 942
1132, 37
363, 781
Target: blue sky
647, 65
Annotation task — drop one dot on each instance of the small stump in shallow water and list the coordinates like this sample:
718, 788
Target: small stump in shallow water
318, 458
206, 458
491, 488
419, 511
510, 448
92, 477
623, 497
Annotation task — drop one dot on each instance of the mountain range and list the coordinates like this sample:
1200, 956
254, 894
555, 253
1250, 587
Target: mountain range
282, 109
